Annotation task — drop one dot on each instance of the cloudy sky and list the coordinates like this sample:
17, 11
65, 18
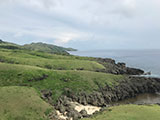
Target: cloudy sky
82, 24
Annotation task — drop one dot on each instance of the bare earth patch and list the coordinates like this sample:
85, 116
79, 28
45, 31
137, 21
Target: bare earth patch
89, 108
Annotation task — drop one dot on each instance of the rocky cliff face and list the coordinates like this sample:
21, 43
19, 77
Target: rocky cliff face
117, 68
128, 88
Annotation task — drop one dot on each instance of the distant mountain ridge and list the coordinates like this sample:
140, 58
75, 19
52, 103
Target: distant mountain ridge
41, 47
8, 45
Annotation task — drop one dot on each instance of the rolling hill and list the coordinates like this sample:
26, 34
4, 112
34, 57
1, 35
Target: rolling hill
37, 84
41, 47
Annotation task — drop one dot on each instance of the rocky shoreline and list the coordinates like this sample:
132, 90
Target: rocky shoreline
74, 86
128, 88
117, 68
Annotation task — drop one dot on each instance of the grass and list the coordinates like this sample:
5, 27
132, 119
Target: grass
57, 80
129, 112
43, 47
22, 103
58, 73
56, 62
7, 45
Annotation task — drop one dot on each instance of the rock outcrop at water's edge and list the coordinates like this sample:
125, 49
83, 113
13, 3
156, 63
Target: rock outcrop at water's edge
117, 68
128, 88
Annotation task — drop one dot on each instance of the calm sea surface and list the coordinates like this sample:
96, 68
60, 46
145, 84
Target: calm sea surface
148, 60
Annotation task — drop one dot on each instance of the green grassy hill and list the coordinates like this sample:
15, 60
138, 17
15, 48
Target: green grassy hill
25, 73
57, 81
8, 45
22, 103
43, 47
129, 112
39, 71
54, 62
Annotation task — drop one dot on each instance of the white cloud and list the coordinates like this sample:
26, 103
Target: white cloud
67, 21
125, 8
65, 38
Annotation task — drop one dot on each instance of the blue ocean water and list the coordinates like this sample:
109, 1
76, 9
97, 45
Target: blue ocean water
148, 60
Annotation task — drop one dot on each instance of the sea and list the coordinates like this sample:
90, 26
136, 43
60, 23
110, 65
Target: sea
148, 60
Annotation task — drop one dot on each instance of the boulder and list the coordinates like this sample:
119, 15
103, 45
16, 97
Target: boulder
84, 113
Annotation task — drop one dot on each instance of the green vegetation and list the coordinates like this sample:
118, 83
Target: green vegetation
129, 112
22, 103
70, 49
8, 45
42, 47
57, 81
45, 71
27, 71
55, 62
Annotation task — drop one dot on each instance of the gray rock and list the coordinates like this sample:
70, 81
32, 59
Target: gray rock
84, 113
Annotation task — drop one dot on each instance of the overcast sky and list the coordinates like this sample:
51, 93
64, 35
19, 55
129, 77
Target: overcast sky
82, 24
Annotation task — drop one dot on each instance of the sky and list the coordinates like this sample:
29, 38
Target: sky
82, 24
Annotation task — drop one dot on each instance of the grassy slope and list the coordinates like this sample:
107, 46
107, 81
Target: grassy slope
32, 67
43, 47
52, 62
22, 103
56, 81
8, 45
129, 112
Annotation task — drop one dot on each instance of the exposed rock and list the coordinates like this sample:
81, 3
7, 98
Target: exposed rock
134, 71
74, 115
121, 64
129, 87
47, 95
119, 68
147, 73
53, 115
44, 76
62, 109
80, 69
84, 113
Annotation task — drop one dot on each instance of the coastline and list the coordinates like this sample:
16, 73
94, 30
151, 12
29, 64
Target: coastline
134, 84
129, 88
75, 87
146, 59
